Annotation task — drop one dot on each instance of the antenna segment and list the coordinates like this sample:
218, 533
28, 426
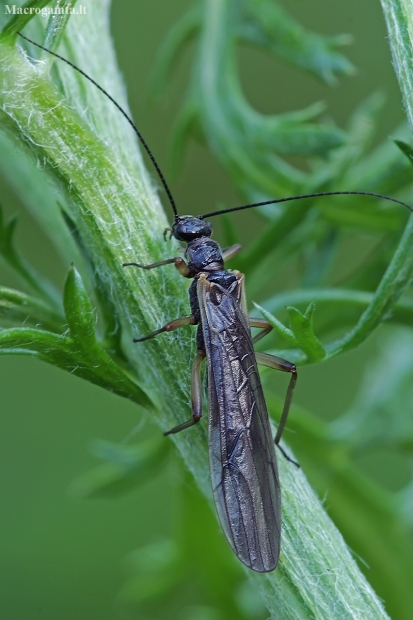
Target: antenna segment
315, 195
162, 178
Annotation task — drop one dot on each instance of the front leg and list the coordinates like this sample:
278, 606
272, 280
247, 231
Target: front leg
179, 262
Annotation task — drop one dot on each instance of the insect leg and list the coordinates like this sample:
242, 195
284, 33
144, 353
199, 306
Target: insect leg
169, 327
196, 395
277, 363
280, 364
180, 264
264, 325
228, 253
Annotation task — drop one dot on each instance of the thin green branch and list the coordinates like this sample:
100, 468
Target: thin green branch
17, 307
381, 304
394, 282
339, 299
398, 16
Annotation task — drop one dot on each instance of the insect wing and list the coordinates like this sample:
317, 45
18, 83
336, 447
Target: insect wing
242, 455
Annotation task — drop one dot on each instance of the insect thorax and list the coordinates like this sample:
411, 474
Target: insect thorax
204, 254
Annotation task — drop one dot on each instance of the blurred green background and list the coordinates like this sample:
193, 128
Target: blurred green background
64, 558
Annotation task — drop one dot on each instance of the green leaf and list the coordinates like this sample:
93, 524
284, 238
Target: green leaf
78, 309
363, 125
393, 283
27, 273
319, 255
274, 234
108, 310
269, 26
95, 363
368, 214
166, 58
288, 138
348, 300
17, 307
279, 327
302, 328
406, 149
80, 353
92, 364
344, 159
384, 169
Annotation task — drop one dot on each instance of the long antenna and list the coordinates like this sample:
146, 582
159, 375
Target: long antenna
315, 195
162, 178
122, 111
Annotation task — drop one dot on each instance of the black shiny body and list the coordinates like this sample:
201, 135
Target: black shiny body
204, 255
243, 466
222, 277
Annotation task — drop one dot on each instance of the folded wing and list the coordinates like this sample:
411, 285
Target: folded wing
242, 455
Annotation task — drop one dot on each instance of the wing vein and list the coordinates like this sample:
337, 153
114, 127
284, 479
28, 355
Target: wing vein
242, 455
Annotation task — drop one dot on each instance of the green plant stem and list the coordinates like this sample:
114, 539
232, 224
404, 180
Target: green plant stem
403, 311
393, 284
399, 20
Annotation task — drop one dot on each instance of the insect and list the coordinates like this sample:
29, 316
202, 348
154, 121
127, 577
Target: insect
242, 458
243, 464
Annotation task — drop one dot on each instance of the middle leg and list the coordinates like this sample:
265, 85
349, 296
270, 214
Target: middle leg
196, 395
278, 363
169, 327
